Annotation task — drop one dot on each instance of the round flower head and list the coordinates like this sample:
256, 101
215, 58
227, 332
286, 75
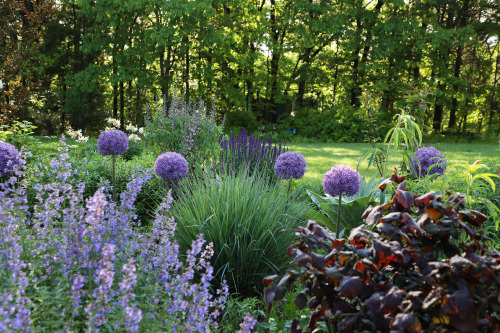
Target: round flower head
171, 166
290, 165
9, 157
428, 156
341, 180
112, 142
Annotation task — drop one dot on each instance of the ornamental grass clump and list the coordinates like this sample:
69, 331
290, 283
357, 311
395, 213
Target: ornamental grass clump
70, 264
290, 165
341, 180
243, 216
430, 161
114, 143
9, 157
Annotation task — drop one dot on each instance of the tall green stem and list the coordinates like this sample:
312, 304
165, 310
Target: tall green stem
114, 179
338, 217
289, 185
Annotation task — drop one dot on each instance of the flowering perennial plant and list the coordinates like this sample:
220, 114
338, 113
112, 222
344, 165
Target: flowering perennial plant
431, 162
341, 180
85, 260
112, 142
187, 128
9, 157
171, 167
247, 151
290, 165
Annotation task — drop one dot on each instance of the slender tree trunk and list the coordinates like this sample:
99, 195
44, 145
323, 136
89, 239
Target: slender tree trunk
122, 106
454, 101
275, 58
186, 75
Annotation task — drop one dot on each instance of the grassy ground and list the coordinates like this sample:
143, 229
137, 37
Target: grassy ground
322, 156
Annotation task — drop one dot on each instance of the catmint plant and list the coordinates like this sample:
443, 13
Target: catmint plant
70, 264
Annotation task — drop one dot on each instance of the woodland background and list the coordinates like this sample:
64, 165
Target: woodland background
75, 63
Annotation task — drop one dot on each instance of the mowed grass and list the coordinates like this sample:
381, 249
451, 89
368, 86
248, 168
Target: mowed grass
322, 156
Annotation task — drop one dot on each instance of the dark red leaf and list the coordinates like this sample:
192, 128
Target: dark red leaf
407, 322
270, 279
425, 199
391, 217
350, 286
367, 212
374, 215
404, 198
317, 260
392, 299
301, 300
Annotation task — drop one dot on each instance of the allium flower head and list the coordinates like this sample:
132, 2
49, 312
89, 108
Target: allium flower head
171, 166
290, 165
341, 180
113, 142
9, 157
428, 156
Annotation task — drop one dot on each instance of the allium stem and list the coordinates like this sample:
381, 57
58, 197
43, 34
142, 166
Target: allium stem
289, 185
114, 179
338, 216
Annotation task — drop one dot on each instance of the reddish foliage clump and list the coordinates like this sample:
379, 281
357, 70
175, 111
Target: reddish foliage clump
407, 269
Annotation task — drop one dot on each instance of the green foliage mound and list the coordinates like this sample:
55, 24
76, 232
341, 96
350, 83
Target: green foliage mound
244, 217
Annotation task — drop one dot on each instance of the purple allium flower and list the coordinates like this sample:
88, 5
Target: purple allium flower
171, 166
428, 156
113, 142
9, 157
290, 165
341, 180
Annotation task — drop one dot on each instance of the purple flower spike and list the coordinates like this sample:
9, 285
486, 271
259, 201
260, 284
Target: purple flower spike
341, 180
171, 166
113, 142
9, 157
428, 156
290, 165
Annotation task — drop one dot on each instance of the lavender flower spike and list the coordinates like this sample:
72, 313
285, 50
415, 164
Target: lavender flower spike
112, 142
428, 156
171, 167
290, 165
341, 180
9, 157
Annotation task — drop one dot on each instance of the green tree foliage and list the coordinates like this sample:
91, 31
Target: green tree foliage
269, 57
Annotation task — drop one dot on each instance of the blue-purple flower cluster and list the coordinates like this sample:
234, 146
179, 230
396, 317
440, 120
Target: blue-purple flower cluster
341, 180
112, 142
9, 158
431, 162
247, 151
290, 165
89, 252
171, 167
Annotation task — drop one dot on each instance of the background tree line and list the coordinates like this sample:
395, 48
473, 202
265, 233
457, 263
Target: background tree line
84, 60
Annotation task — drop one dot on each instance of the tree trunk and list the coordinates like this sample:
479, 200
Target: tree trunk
122, 106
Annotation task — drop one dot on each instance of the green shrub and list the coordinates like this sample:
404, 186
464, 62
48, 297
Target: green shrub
243, 216
238, 120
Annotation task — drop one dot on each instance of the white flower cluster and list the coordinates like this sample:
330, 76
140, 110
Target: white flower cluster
77, 135
115, 123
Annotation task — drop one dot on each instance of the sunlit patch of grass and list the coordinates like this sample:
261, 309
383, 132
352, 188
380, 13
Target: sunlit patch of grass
322, 156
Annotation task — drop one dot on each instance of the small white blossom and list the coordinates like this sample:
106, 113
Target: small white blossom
73, 134
141, 130
82, 139
131, 127
134, 137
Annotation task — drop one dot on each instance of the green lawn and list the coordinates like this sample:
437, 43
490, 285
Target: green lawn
322, 156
